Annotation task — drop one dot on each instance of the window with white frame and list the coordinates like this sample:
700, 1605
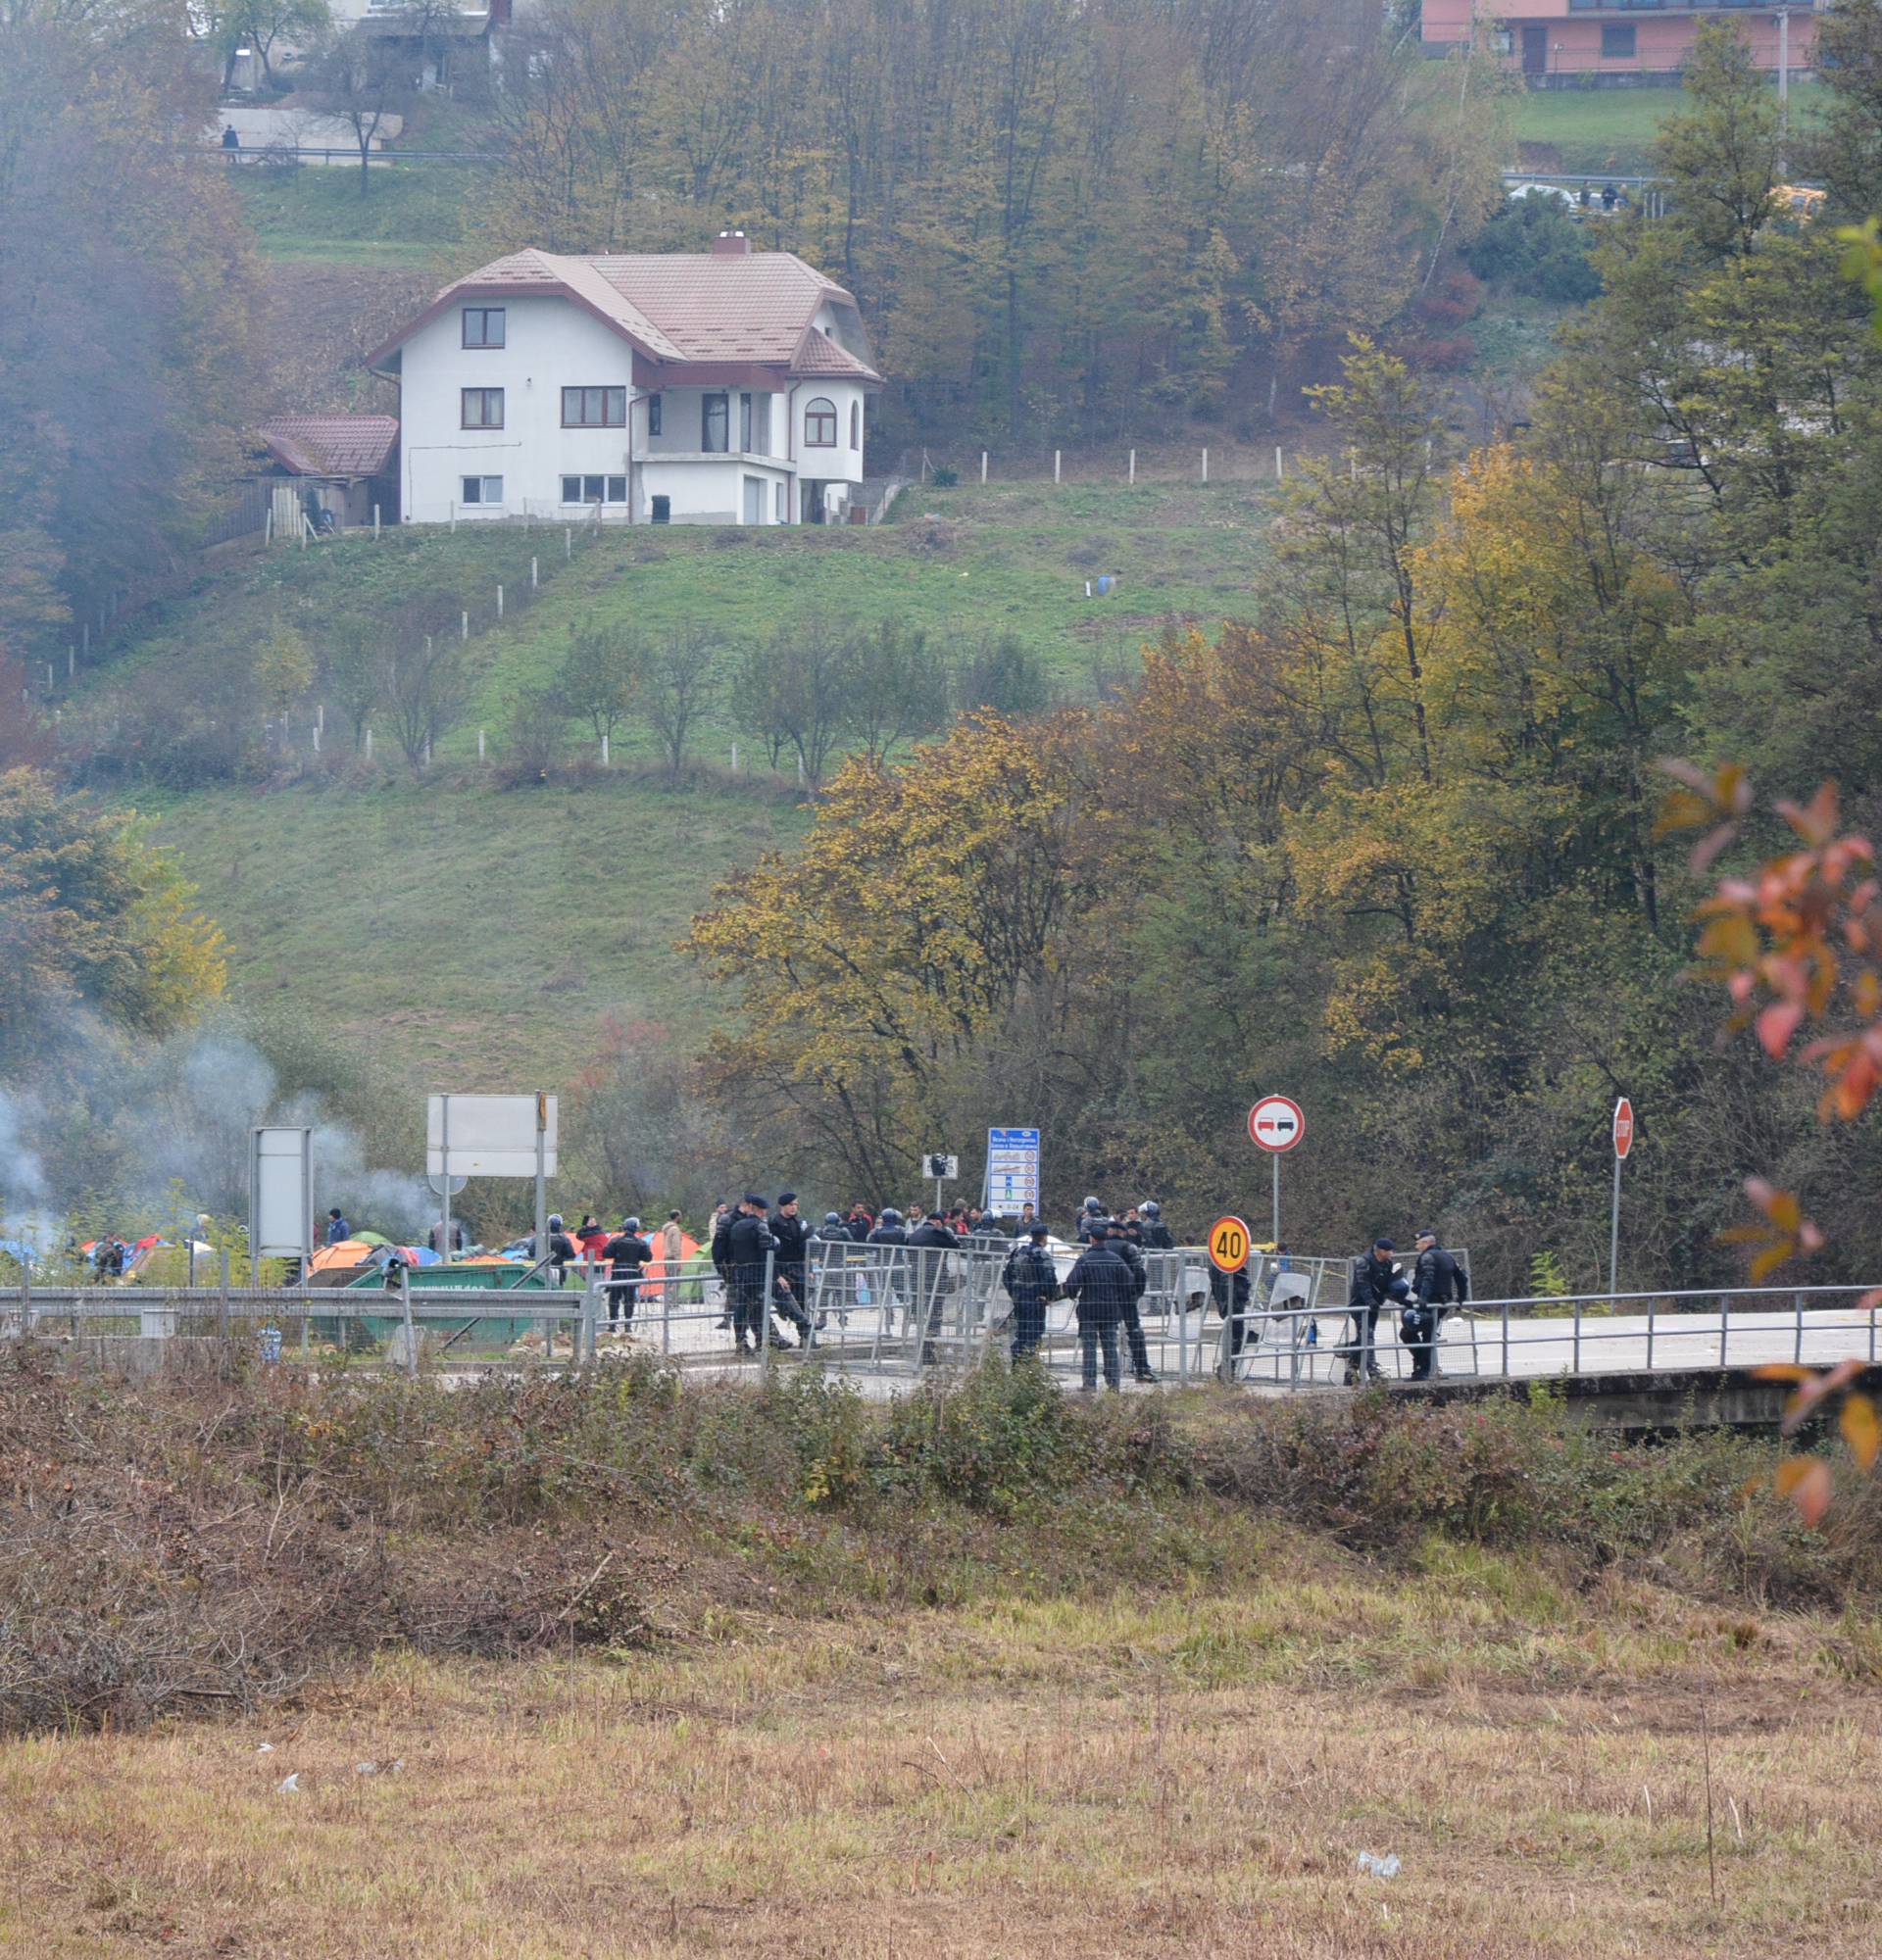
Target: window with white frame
481, 489
594, 408
819, 423
594, 489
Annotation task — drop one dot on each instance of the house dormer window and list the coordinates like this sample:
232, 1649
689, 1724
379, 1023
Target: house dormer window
483, 326
819, 423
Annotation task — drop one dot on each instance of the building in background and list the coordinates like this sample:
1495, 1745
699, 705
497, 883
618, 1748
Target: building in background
1570, 43
721, 387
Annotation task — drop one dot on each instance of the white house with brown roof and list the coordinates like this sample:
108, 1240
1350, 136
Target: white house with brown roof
721, 387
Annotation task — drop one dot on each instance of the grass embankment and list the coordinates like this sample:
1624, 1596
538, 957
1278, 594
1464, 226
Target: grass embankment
670, 1672
450, 918
1599, 129
411, 218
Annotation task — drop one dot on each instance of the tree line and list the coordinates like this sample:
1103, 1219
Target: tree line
1396, 850
1080, 217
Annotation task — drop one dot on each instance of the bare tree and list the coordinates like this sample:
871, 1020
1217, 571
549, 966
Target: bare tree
425, 690
675, 683
362, 77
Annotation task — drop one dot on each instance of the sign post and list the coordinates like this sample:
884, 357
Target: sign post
1275, 1124
1013, 1171
1229, 1244
494, 1136
943, 1168
1623, 1143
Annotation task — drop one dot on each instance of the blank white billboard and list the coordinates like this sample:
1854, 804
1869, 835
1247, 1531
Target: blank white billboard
489, 1136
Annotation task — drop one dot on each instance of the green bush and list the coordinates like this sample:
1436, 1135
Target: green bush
1533, 246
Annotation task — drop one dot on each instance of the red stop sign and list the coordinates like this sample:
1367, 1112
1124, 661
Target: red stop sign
1624, 1127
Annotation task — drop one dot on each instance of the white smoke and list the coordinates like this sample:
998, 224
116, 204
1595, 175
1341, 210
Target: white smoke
139, 1124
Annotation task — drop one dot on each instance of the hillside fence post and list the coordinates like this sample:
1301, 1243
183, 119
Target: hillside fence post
604, 751
983, 466
369, 745
316, 738
1204, 466
375, 523
72, 662
535, 579
568, 541
1054, 465
1133, 477
1278, 463
463, 629
499, 601
734, 759
480, 745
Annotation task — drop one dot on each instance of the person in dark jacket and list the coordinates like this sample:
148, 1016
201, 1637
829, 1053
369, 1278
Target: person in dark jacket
718, 1246
861, 1224
1229, 1293
1028, 1218
1093, 1214
1100, 1282
790, 1288
1123, 1242
1437, 1281
1158, 1237
747, 1243
929, 1243
626, 1253
1375, 1282
561, 1250
337, 1229
1031, 1280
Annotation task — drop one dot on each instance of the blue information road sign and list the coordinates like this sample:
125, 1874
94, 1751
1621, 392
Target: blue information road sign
1012, 1169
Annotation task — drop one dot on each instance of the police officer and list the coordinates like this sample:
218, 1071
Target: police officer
1031, 1280
1123, 1241
929, 1243
1437, 1281
1375, 1282
1229, 1293
1156, 1236
1093, 1214
626, 1253
747, 1243
1101, 1284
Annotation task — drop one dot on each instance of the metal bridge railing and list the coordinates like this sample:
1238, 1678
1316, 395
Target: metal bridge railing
896, 1314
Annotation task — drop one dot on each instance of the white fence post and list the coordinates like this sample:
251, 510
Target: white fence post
480, 745
463, 628
1132, 478
604, 751
568, 541
533, 580
1054, 465
375, 522
983, 466
499, 601
369, 745
1278, 463
1204, 466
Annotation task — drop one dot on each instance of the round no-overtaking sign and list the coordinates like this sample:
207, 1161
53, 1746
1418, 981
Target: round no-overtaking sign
1275, 1123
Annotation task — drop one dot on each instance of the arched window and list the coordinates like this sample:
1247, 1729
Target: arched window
856, 424
819, 423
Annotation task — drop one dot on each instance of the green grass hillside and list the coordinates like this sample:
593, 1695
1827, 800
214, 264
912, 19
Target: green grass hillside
450, 919
1598, 130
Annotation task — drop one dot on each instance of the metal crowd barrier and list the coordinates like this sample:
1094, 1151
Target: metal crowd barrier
900, 1314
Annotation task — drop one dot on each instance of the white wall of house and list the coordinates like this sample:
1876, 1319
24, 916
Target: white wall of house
526, 466
548, 345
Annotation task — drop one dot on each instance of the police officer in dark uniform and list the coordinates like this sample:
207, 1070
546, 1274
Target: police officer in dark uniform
1374, 1284
1156, 1236
1093, 1214
626, 1253
1031, 1280
1437, 1281
1123, 1241
747, 1243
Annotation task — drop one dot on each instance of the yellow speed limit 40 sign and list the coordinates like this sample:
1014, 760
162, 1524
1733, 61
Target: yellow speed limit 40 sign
1228, 1244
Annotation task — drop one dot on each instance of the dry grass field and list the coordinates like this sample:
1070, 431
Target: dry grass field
1192, 1774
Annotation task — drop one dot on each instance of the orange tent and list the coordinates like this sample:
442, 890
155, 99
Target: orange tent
348, 1252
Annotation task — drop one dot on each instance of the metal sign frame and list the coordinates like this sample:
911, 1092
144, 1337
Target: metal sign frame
280, 1187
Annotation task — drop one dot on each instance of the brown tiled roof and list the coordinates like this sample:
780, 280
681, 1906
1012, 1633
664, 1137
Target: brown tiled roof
330, 445
686, 307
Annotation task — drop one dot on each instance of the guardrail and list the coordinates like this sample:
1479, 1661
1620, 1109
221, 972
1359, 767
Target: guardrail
894, 1314
276, 154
